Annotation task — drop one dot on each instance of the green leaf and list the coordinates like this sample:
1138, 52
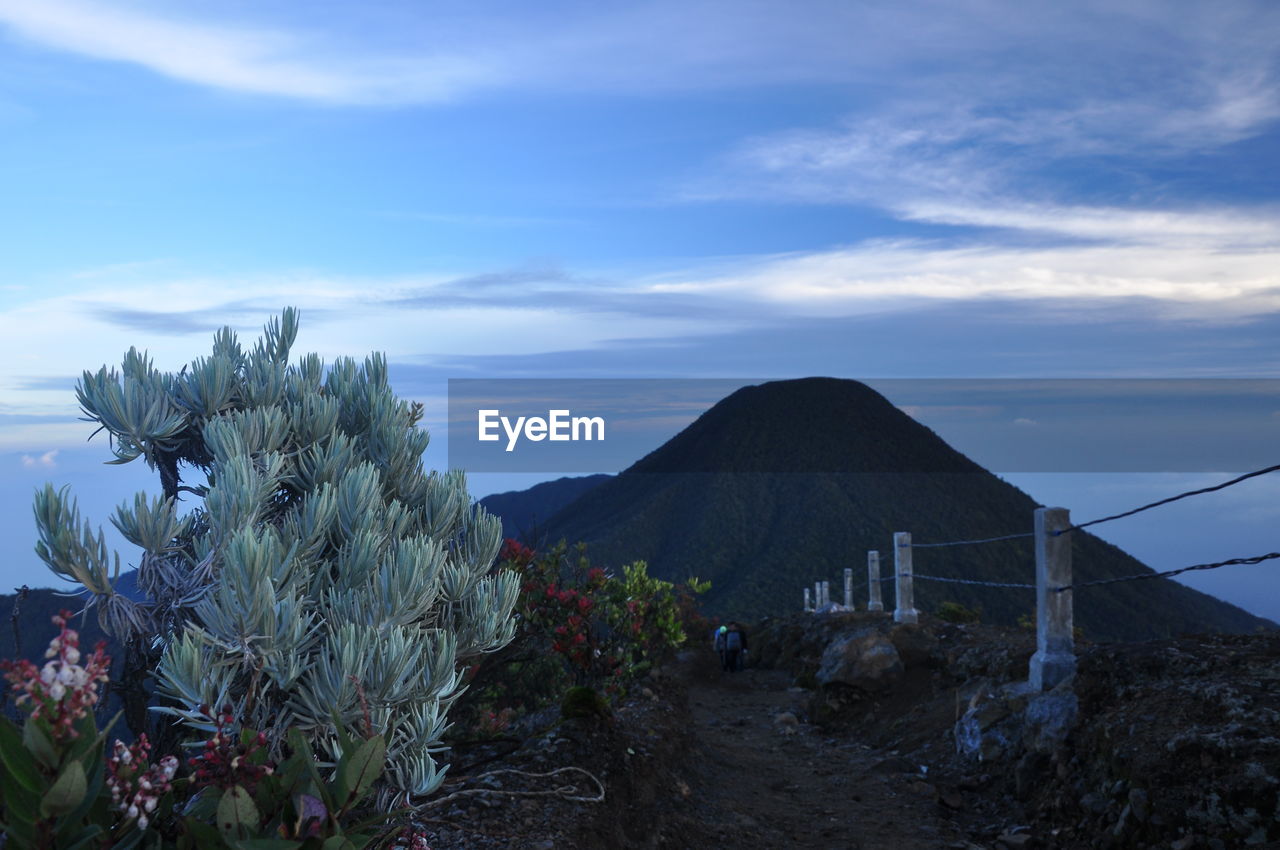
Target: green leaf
338, 842
359, 770
307, 767
267, 844
237, 815
199, 835
20, 834
93, 786
131, 839
90, 838
38, 744
19, 763
67, 793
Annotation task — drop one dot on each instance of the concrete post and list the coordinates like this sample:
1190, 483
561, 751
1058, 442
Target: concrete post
906, 611
817, 595
873, 582
848, 587
1055, 657
807, 606
826, 593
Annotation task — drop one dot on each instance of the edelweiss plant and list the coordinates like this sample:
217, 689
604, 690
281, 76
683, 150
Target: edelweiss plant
318, 561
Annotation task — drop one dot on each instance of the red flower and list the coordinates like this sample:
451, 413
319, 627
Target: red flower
584, 604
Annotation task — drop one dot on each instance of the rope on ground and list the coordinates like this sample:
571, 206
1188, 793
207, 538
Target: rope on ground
1255, 560
1168, 500
973, 581
971, 542
565, 792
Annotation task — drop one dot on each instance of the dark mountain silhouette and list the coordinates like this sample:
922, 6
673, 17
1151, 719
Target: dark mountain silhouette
525, 512
784, 483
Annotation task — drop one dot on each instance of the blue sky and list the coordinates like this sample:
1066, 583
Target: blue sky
651, 189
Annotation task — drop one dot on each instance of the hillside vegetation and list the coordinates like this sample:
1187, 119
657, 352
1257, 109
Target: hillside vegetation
788, 482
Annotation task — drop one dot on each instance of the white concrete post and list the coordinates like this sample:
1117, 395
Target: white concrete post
807, 606
873, 582
826, 593
905, 612
817, 595
848, 587
1055, 657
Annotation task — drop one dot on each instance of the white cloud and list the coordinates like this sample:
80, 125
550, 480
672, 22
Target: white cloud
402, 52
240, 58
46, 460
1183, 281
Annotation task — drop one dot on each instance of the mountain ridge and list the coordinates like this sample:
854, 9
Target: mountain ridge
784, 483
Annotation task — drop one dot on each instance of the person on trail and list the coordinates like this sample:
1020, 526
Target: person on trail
718, 639
735, 645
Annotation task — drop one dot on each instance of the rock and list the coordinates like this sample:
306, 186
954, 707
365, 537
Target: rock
922, 789
980, 733
1123, 823
952, 800
1028, 773
1140, 805
894, 764
1093, 803
864, 659
1186, 842
1015, 840
915, 645
1049, 719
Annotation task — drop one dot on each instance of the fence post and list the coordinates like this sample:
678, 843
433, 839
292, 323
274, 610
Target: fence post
873, 581
826, 593
1055, 657
807, 606
905, 612
817, 595
848, 587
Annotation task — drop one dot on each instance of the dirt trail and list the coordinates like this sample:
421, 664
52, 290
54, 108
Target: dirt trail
760, 773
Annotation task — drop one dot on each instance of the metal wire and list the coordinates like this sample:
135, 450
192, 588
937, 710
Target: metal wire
971, 542
1168, 500
1256, 560
973, 581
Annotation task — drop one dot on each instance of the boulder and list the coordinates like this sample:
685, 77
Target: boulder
1049, 719
864, 659
916, 645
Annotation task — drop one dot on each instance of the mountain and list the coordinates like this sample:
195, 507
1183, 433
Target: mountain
525, 512
788, 482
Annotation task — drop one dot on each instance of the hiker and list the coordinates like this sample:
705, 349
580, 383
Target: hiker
735, 647
718, 640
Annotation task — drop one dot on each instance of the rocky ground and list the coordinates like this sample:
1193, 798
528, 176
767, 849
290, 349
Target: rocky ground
844, 731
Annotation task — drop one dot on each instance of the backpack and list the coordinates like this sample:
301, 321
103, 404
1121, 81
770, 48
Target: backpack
733, 640
720, 640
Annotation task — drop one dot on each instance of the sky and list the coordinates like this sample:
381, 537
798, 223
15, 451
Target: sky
871, 190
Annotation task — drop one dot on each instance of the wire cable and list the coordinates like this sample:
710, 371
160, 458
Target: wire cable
1255, 560
1168, 500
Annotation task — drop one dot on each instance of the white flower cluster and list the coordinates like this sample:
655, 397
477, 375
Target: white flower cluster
58, 675
152, 782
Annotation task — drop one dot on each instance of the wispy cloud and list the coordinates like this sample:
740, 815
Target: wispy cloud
1182, 282
48, 460
243, 58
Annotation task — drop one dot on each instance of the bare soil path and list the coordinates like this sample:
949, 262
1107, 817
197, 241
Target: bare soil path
759, 774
